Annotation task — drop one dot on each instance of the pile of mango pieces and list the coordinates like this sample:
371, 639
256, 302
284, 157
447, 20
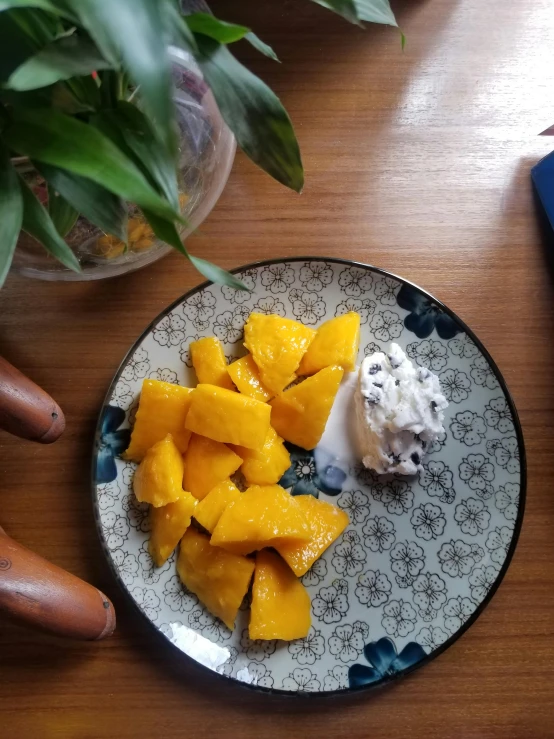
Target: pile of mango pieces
191, 441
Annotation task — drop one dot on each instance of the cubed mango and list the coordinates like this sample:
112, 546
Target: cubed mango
336, 343
162, 410
229, 417
280, 603
209, 362
169, 523
300, 413
219, 579
327, 522
209, 510
277, 346
246, 376
267, 465
207, 462
159, 477
263, 516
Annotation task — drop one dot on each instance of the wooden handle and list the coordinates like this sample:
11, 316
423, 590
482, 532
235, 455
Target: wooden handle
37, 593
26, 410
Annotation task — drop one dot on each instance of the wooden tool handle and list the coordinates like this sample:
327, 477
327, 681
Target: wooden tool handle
36, 592
26, 410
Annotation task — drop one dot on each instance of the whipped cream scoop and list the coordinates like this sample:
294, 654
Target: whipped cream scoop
399, 412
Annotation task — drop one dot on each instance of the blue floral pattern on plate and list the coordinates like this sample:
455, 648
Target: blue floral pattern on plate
112, 442
420, 556
384, 661
424, 315
307, 476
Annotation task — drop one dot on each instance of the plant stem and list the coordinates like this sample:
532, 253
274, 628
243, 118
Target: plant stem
109, 88
123, 83
132, 95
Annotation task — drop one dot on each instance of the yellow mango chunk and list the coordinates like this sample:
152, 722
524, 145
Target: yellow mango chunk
209, 362
219, 579
336, 343
266, 466
159, 478
299, 415
207, 462
277, 346
229, 417
327, 523
244, 373
280, 603
263, 516
169, 523
209, 510
162, 410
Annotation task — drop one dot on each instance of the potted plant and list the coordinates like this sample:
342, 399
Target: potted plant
89, 121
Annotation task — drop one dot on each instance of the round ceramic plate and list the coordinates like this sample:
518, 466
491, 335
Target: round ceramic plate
421, 556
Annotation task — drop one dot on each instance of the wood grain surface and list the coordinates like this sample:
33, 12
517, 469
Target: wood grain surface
417, 162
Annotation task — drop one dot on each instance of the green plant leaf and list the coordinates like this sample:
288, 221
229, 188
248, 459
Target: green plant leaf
63, 215
51, 7
100, 206
39, 26
107, 127
346, 8
55, 138
38, 223
167, 232
137, 133
34, 99
226, 33
87, 90
375, 11
106, 121
263, 48
217, 274
71, 56
209, 25
133, 31
61, 98
11, 212
15, 44
253, 112
108, 88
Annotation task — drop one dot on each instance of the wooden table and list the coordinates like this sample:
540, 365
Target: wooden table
417, 162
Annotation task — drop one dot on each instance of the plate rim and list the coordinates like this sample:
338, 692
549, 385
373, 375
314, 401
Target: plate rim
387, 679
